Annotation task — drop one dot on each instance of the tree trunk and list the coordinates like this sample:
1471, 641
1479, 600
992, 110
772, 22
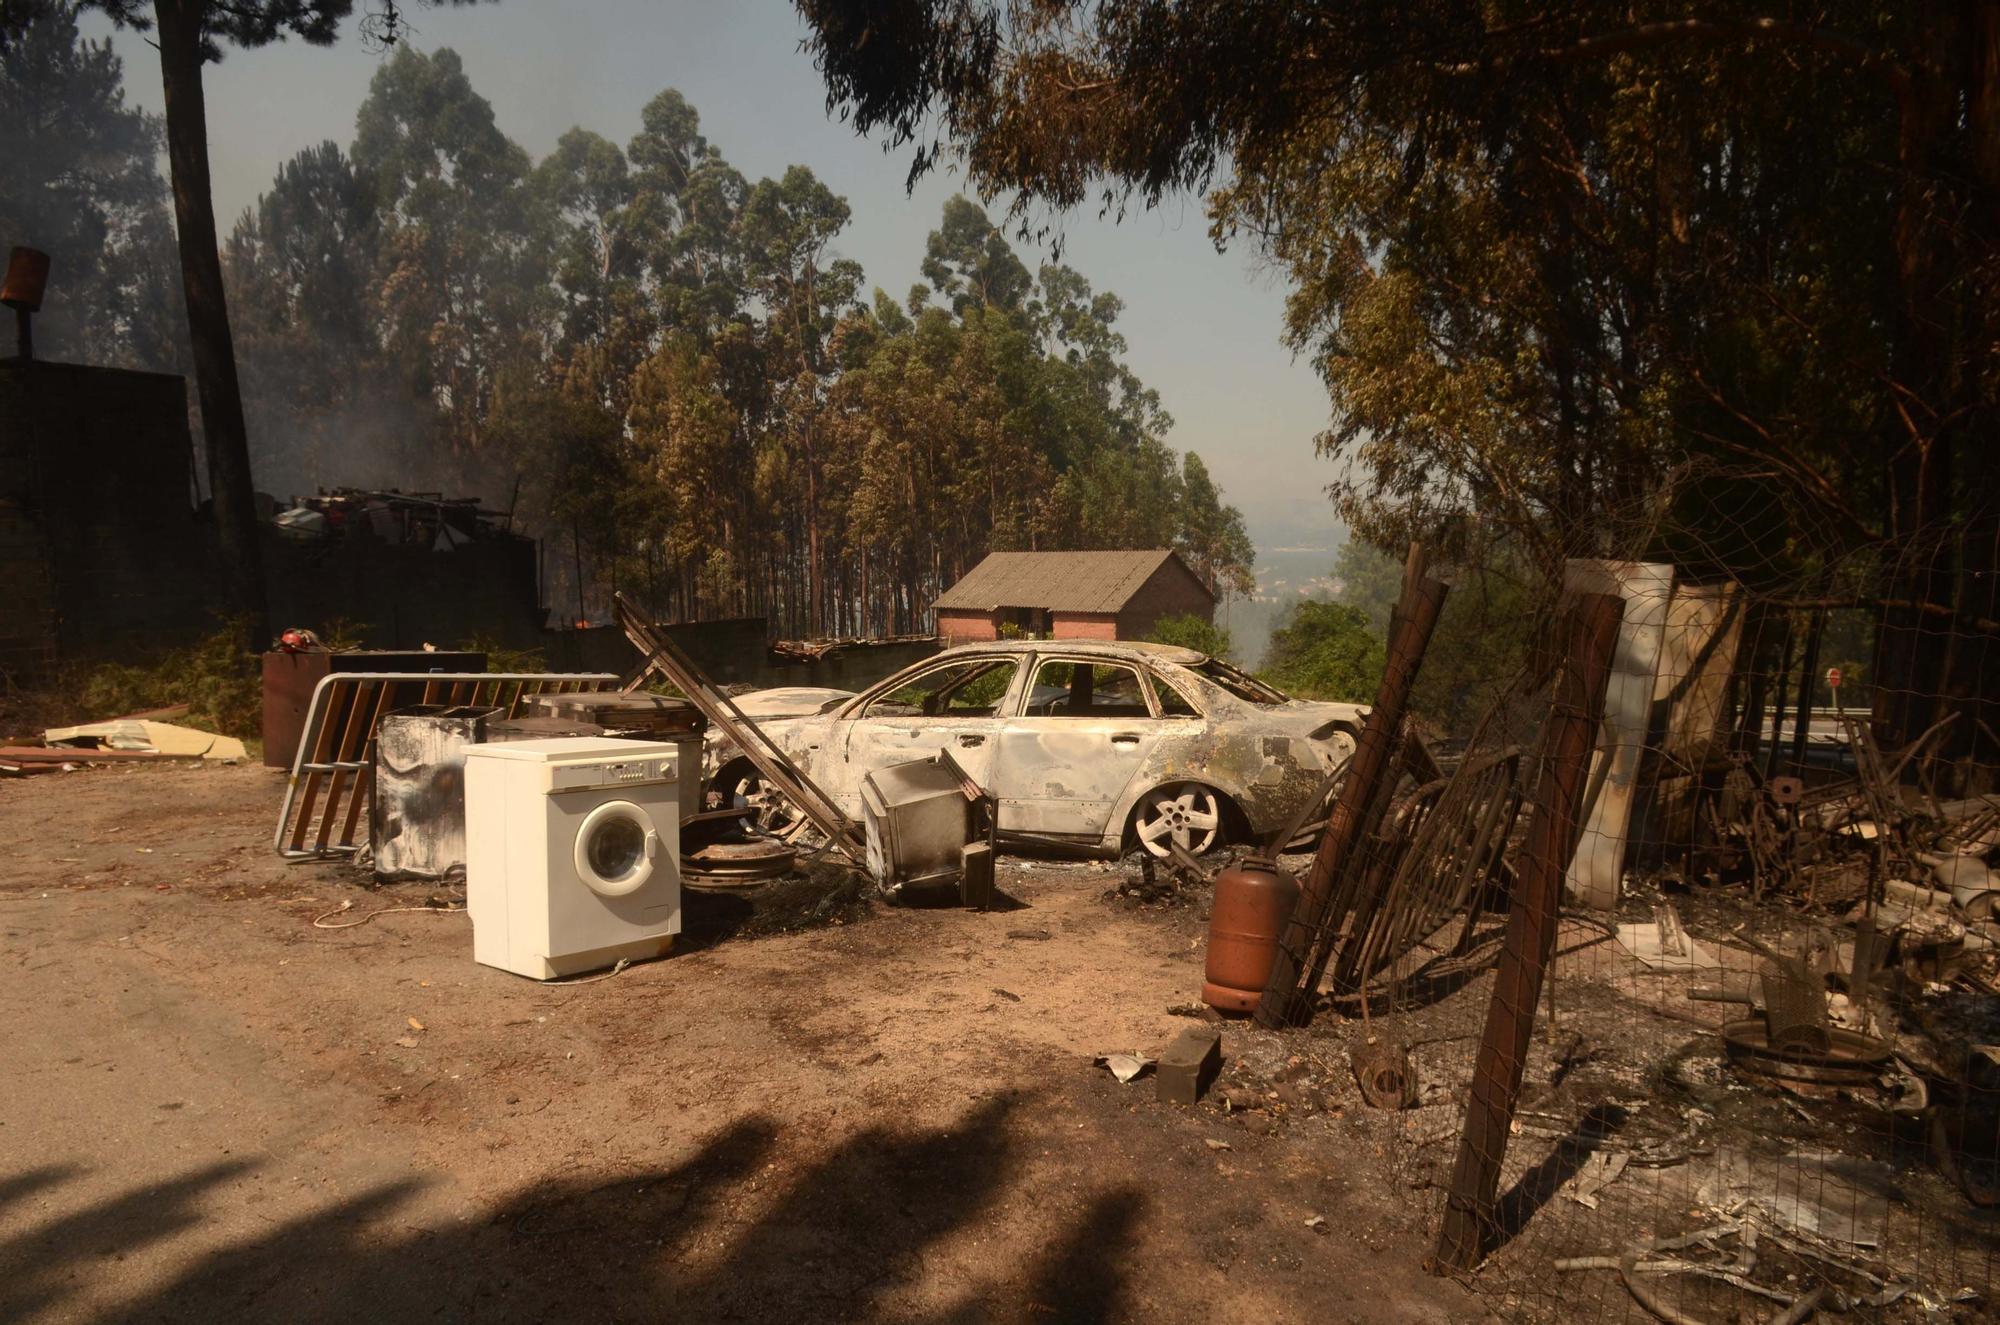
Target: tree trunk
812, 539
223, 430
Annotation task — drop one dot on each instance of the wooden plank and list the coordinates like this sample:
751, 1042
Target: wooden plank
350, 737
76, 754
1465, 1233
322, 747
364, 781
1325, 918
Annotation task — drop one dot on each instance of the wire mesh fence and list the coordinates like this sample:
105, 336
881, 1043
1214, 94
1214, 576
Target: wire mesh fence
1679, 968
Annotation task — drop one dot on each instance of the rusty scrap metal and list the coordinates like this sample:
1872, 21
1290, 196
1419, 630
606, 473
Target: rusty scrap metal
1309, 938
1849, 1058
1439, 868
721, 851
1529, 946
665, 657
655, 717
337, 743
734, 865
1384, 1073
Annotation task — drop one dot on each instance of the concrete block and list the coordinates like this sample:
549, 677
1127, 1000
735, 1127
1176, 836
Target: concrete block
975, 885
1188, 1065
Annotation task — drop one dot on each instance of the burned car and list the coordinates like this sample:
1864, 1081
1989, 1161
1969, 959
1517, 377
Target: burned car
1098, 745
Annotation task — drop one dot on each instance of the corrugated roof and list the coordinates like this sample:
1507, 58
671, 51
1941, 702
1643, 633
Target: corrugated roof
1057, 581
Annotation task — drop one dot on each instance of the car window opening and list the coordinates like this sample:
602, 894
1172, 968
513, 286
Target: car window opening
962, 690
1240, 684
1173, 704
1084, 690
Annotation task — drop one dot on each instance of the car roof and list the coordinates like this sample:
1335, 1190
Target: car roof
1171, 653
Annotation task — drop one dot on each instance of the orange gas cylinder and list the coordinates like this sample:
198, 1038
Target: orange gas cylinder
1253, 900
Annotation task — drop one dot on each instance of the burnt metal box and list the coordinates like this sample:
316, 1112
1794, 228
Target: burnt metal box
416, 822
289, 679
1188, 1065
639, 714
918, 822
975, 887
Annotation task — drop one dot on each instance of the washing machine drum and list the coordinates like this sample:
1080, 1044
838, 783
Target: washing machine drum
615, 849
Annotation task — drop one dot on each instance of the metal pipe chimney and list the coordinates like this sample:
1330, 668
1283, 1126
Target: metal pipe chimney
27, 280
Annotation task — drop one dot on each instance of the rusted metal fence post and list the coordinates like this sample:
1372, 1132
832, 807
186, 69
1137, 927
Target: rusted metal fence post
1298, 950
1567, 743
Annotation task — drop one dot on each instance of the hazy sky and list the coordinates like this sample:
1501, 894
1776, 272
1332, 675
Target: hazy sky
1203, 327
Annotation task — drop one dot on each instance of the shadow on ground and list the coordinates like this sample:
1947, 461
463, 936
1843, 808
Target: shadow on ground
721, 1236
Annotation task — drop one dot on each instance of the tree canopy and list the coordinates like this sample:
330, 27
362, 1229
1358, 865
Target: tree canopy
699, 396
1323, 650
81, 180
1718, 284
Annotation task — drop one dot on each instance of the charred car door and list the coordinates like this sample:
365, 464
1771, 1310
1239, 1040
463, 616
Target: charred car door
948, 706
1084, 728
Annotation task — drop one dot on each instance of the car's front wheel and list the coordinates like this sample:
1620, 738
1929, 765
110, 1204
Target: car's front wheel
740, 786
1183, 814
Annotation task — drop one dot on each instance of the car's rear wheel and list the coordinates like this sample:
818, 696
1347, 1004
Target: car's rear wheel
1183, 814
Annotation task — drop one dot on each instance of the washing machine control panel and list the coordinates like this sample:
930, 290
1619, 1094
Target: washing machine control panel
619, 773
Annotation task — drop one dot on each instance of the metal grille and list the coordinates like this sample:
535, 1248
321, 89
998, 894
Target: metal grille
327, 794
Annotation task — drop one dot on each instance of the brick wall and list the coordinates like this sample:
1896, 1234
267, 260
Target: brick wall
1085, 625
961, 627
1172, 590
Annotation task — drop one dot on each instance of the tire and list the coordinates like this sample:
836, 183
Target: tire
738, 785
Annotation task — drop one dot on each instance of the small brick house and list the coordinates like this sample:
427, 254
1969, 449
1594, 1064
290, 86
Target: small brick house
1071, 595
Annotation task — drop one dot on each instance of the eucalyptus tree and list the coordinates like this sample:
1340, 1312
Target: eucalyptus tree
463, 277
190, 34
787, 229
301, 265
80, 181
1556, 265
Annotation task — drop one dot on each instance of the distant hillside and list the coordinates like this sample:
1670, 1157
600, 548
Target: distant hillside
1284, 575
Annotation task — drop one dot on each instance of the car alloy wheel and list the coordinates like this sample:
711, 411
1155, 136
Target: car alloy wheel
771, 810
1185, 814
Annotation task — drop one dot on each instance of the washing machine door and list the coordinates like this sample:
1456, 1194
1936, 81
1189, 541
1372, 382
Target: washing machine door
615, 849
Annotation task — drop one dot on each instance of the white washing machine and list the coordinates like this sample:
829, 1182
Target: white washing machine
572, 852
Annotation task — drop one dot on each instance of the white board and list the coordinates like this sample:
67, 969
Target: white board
1647, 587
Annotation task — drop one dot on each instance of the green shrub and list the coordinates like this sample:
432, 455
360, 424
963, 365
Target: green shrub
500, 658
214, 677
1191, 632
1325, 650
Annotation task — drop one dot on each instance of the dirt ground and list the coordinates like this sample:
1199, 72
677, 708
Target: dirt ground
215, 1111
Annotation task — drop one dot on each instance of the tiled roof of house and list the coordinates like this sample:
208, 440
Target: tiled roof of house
1056, 581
